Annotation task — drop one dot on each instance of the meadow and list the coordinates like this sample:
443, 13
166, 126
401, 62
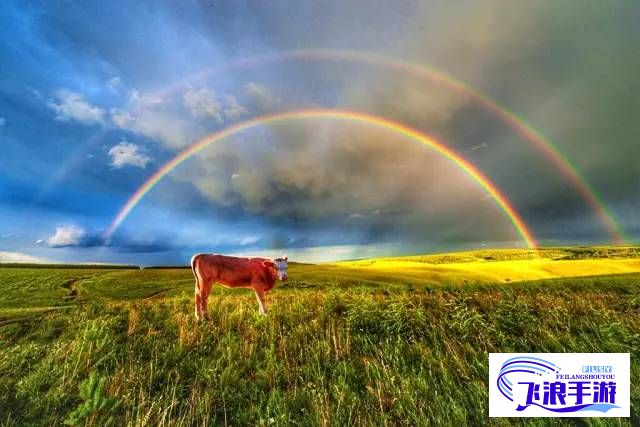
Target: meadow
390, 341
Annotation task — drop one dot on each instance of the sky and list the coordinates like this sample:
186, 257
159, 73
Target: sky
95, 97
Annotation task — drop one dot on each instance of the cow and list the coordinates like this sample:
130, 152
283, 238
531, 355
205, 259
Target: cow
259, 274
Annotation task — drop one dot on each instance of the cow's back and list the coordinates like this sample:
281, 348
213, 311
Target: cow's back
233, 271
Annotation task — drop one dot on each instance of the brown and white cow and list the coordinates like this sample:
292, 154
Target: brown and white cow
260, 274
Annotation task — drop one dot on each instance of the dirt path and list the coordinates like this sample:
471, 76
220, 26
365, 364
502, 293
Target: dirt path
157, 294
72, 285
71, 297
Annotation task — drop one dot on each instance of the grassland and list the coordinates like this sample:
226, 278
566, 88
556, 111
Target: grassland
399, 341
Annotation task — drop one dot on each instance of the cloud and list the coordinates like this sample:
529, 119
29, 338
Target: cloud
178, 118
73, 236
3, 121
18, 257
141, 247
169, 129
67, 235
114, 84
127, 154
71, 106
478, 147
123, 119
249, 240
145, 100
35, 93
156, 118
345, 176
204, 103
261, 97
233, 109
356, 217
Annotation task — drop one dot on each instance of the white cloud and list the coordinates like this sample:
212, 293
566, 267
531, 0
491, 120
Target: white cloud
175, 119
233, 109
72, 106
144, 100
3, 121
478, 147
168, 128
261, 97
250, 240
356, 216
10, 257
114, 84
66, 235
149, 115
204, 103
122, 119
35, 93
128, 154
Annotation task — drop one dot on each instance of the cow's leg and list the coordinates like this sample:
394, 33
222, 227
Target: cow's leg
198, 304
204, 298
261, 301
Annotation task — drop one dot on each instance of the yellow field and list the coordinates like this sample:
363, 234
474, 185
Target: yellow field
496, 266
500, 271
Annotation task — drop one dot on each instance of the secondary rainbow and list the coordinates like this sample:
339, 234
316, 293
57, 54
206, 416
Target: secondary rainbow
352, 116
528, 132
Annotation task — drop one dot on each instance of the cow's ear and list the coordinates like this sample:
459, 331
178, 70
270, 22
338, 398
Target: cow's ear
268, 264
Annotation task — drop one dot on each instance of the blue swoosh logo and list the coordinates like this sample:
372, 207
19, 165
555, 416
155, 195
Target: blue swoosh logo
600, 407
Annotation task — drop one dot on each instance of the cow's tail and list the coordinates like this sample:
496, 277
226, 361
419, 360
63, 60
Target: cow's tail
194, 269
194, 260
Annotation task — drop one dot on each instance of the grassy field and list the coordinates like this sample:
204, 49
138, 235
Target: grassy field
396, 341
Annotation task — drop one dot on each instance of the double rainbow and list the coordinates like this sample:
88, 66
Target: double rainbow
529, 133
525, 130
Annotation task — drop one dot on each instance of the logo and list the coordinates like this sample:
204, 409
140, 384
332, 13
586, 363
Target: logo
559, 385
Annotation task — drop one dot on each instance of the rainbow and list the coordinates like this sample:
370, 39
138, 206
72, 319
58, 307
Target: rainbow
463, 164
526, 131
78, 157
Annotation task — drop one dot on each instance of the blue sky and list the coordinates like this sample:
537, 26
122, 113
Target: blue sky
95, 96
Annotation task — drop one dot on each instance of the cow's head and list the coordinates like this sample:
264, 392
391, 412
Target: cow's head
281, 267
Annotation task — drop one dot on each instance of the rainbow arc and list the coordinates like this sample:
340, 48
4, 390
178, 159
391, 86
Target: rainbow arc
484, 182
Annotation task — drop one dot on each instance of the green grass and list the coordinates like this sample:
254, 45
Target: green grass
340, 346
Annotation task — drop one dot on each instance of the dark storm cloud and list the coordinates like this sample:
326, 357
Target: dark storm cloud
567, 72
335, 176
